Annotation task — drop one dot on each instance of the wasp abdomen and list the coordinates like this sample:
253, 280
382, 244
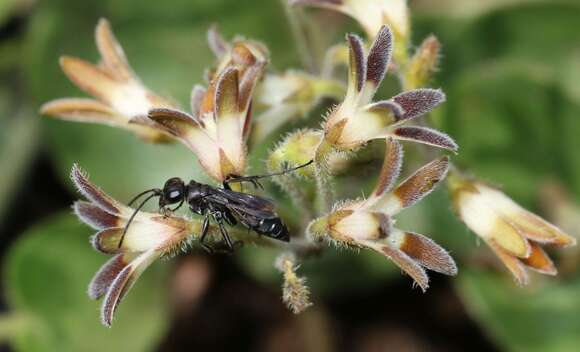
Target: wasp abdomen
273, 227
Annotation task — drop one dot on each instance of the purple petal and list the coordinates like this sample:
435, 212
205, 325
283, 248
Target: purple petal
197, 94
386, 108
357, 69
107, 273
216, 42
173, 121
380, 56
426, 136
123, 283
419, 101
92, 192
94, 216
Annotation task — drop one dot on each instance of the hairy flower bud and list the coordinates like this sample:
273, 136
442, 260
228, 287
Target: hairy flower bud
290, 95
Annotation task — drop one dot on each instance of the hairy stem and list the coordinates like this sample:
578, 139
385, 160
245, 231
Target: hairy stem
300, 35
322, 173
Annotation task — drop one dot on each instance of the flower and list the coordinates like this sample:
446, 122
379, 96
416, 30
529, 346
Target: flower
371, 15
369, 223
513, 233
357, 120
218, 126
149, 237
119, 93
290, 95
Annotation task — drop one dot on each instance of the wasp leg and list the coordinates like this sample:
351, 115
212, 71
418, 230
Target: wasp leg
204, 232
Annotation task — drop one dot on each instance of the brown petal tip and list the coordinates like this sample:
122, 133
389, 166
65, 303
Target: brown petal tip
92, 192
422, 182
94, 216
427, 136
428, 253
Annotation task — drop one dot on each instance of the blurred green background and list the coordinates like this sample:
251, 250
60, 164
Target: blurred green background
511, 70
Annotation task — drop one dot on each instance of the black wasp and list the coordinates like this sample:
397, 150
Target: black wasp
222, 205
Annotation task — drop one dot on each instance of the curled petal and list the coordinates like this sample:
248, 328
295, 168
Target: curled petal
102, 280
419, 102
226, 94
94, 193
426, 136
387, 108
332, 4
94, 216
123, 283
378, 59
175, 122
107, 240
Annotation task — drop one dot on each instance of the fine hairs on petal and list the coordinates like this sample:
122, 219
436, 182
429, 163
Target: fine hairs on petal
92, 192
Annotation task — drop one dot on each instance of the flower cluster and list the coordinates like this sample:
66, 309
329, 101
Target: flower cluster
369, 223
219, 125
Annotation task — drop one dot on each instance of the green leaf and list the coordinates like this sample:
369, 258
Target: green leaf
542, 317
46, 277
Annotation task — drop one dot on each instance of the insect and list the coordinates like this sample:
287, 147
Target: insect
222, 205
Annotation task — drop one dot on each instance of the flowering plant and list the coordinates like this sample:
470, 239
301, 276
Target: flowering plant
219, 131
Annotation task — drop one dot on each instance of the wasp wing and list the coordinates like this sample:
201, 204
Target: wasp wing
242, 200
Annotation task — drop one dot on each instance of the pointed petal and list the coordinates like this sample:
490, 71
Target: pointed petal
539, 260
82, 110
123, 283
391, 167
428, 253
216, 42
378, 60
114, 59
94, 216
419, 101
102, 280
90, 78
421, 183
514, 265
539, 230
426, 136
197, 94
357, 65
403, 261
94, 193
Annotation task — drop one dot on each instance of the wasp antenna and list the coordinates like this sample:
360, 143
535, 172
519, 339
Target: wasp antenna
156, 190
156, 194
